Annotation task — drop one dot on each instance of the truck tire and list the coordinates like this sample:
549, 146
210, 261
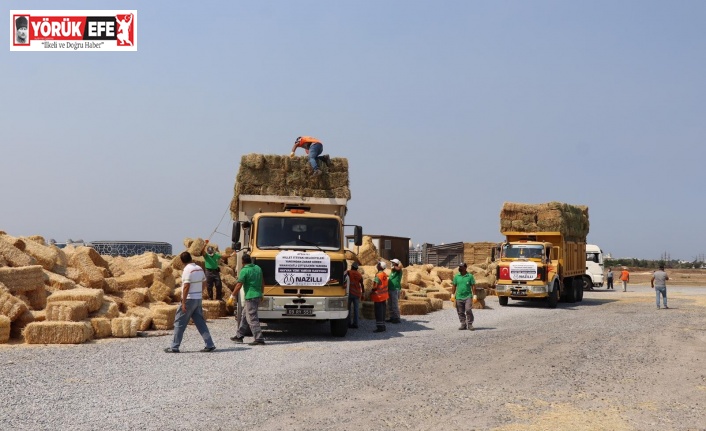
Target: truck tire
339, 327
503, 300
553, 298
587, 283
579, 289
569, 291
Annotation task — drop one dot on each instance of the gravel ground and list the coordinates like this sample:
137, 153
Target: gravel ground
612, 362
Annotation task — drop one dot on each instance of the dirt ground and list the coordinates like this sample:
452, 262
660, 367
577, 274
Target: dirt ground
677, 277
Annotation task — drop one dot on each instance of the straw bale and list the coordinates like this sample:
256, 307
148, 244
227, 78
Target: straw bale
109, 309
166, 276
446, 284
163, 316
437, 304
45, 256
408, 308
144, 314
213, 309
124, 327
367, 310
73, 311
22, 279
10, 306
477, 303
177, 263
135, 279
58, 332
444, 274
159, 292
73, 274
39, 315
444, 296
414, 277
368, 253
89, 274
37, 298
146, 260
196, 247
122, 305
135, 296
570, 220
61, 262
56, 282
229, 280
18, 325
12, 254
414, 287
92, 297
101, 327
118, 265
95, 257
176, 294
425, 300
4, 329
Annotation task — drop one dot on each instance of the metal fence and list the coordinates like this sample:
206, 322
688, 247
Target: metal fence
130, 248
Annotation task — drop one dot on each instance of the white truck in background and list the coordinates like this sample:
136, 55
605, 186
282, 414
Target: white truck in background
594, 267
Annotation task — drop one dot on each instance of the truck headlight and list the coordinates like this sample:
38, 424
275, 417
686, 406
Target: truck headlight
500, 288
337, 303
264, 304
539, 289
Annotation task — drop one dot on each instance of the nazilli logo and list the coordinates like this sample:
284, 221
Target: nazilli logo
289, 279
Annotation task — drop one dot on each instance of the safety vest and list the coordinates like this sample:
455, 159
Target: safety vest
356, 283
306, 141
380, 294
625, 276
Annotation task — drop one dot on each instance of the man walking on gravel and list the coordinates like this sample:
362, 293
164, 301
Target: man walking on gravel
625, 277
659, 284
462, 289
190, 308
251, 279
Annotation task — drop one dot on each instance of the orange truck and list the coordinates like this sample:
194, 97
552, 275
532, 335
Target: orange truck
546, 265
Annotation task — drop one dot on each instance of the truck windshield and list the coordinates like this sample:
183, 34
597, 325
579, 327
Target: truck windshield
593, 257
523, 251
299, 233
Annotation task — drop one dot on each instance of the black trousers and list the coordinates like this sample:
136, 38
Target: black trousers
380, 308
213, 279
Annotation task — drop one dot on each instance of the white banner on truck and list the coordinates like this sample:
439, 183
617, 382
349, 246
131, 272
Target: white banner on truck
523, 271
300, 268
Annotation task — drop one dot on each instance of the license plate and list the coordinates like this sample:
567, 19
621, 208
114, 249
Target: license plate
298, 312
519, 292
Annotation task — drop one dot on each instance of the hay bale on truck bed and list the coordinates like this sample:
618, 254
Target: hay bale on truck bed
570, 220
277, 175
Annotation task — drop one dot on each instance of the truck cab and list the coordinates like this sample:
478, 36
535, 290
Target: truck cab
299, 245
594, 267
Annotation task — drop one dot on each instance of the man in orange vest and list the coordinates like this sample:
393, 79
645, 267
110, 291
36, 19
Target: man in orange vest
313, 148
379, 295
625, 277
354, 283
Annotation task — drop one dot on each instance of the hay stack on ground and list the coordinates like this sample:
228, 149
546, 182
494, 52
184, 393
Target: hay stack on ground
163, 316
56, 332
13, 255
159, 292
213, 309
109, 309
19, 280
143, 314
70, 311
101, 327
477, 253
279, 175
10, 306
570, 220
92, 297
124, 327
44, 255
408, 308
4, 329
56, 282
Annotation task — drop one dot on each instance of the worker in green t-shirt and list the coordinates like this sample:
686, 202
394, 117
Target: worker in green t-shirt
251, 279
463, 283
213, 274
394, 286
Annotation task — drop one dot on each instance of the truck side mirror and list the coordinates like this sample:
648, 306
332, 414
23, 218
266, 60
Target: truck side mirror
237, 246
358, 235
235, 234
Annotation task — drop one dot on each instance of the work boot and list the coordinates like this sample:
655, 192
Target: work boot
379, 329
462, 327
327, 160
470, 327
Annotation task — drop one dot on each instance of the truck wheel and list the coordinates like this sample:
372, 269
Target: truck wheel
587, 283
553, 298
569, 291
503, 300
579, 290
339, 327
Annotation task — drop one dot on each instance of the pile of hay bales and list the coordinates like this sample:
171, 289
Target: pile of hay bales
477, 253
272, 174
570, 220
50, 295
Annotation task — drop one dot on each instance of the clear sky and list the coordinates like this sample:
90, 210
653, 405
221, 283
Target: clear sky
444, 109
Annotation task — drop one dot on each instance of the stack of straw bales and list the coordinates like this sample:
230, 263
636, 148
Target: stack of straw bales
277, 175
570, 220
477, 253
77, 294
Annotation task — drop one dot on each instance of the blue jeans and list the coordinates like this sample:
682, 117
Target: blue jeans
661, 291
193, 311
315, 151
354, 303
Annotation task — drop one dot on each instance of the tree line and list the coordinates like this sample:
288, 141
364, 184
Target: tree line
646, 263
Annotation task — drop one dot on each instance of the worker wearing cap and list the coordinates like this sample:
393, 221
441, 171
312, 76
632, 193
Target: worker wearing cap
462, 288
354, 285
394, 290
21, 36
379, 296
625, 277
313, 148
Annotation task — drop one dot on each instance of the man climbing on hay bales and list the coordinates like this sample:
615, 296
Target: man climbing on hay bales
313, 148
191, 300
214, 285
462, 289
